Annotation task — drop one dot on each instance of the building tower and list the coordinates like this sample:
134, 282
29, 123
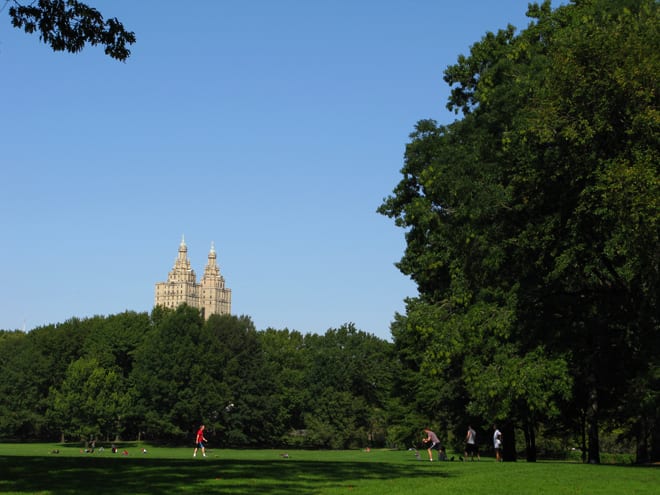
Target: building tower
211, 296
215, 299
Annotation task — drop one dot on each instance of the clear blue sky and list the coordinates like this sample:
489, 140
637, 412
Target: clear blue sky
273, 128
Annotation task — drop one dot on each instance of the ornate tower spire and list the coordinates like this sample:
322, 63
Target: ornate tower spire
210, 295
182, 270
182, 247
212, 272
216, 298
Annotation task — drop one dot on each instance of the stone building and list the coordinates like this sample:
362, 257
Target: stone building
210, 295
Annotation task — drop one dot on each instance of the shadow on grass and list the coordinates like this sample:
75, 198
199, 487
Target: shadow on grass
70, 475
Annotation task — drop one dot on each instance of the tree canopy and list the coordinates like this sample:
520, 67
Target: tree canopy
68, 25
157, 377
532, 221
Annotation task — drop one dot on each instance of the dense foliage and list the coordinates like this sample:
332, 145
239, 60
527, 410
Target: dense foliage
69, 25
532, 228
159, 376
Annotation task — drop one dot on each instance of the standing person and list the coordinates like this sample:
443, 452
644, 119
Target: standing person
471, 447
199, 441
497, 443
432, 442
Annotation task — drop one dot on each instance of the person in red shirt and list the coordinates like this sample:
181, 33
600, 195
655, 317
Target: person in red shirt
199, 441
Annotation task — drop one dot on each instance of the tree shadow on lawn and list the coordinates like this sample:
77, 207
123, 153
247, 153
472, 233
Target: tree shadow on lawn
71, 475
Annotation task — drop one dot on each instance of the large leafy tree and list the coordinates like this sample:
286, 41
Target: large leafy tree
288, 363
235, 373
349, 382
533, 221
92, 402
68, 25
114, 340
15, 411
169, 374
589, 130
30, 366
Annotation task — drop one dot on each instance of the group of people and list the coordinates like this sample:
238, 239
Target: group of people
432, 442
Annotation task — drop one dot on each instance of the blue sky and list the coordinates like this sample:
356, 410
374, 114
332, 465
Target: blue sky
273, 128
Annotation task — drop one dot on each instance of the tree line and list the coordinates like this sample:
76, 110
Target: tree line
158, 376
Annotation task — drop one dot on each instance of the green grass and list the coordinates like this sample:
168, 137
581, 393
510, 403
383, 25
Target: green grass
32, 469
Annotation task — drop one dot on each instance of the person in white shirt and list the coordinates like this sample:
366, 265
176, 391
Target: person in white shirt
497, 443
471, 447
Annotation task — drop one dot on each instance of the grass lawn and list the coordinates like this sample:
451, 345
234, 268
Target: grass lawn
32, 469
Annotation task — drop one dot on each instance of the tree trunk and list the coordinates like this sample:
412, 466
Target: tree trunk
530, 442
642, 443
655, 442
508, 443
583, 435
592, 420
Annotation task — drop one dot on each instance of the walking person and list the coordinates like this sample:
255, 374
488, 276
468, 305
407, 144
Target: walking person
471, 447
497, 443
199, 441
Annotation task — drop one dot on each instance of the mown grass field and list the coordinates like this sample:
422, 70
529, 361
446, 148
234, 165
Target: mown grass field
33, 469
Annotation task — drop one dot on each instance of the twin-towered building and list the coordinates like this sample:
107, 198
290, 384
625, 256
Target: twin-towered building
210, 295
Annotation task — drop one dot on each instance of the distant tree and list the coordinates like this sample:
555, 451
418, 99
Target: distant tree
237, 371
420, 396
287, 361
31, 365
15, 385
350, 381
115, 339
167, 372
67, 25
92, 402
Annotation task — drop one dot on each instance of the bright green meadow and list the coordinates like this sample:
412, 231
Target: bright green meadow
33, 469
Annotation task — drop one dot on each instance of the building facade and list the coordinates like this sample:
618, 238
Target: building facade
210, 295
